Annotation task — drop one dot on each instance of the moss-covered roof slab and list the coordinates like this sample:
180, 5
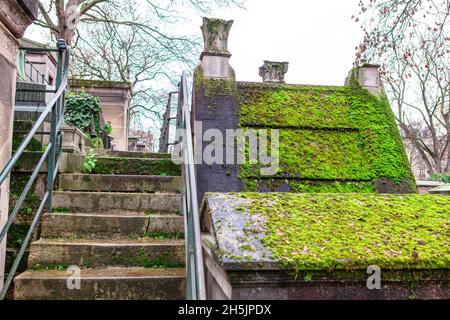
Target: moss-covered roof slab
327, 133
326, 232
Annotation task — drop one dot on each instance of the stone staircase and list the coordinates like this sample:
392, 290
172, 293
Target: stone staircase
121, 226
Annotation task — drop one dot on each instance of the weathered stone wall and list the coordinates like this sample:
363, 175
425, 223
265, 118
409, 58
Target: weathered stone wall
215, 107
332, 139
15, 17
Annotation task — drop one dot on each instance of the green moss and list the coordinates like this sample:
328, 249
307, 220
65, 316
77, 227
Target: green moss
310, 186
56, 267
86, 84
213, 29
162, 167
164, 235
34, 145
21, 128
326, 133
214, 88
60, 210
31, 203
142, 260
331, 187
354, 231
16, 235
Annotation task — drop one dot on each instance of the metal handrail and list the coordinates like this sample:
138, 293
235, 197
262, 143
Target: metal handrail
165, 129
52, 155
195, 273
40, 78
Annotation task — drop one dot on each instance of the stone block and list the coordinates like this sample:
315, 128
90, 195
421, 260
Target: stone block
74, 140
241, 264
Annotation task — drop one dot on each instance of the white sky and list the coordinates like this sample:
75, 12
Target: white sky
317, 37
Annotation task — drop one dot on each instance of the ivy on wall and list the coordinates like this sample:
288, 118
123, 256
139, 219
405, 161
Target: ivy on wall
79, 110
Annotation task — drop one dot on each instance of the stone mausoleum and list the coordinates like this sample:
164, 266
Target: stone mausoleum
342, 204
115, 100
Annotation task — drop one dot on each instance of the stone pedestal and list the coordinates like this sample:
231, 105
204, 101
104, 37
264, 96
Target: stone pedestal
214, 106
15, 17
215, 56
368, 77
74, 140
274, 72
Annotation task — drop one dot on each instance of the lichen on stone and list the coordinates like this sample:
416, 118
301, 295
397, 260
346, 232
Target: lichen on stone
353, 231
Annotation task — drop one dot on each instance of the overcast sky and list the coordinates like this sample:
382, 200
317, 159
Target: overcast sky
317, 37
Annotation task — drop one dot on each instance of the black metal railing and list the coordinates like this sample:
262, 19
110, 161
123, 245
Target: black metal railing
52, 155
195, 274
32, 74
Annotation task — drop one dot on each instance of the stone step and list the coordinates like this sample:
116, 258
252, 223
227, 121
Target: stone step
147, 253
103, 284
121, 183
116, 202
136, 166
136, 154
108, 226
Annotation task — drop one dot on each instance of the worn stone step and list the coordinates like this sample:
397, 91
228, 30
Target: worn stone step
135, 154
116, 202
136, 166
103, 284
121, 183
110, 226
146, 253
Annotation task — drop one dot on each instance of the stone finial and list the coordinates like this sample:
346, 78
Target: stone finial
273, 71
368, 77
215, 56
215, 36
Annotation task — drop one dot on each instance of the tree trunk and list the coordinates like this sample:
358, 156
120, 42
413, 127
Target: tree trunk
419, 149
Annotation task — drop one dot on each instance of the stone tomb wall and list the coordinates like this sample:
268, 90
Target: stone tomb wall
283, 246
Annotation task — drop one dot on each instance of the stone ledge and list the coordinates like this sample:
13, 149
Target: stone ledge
442, 190
81, 83
243, 258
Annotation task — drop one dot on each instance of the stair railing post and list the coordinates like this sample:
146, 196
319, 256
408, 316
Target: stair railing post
61, 44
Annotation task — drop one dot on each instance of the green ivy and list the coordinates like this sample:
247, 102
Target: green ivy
442, 177
108, 128
79, 110
90, 161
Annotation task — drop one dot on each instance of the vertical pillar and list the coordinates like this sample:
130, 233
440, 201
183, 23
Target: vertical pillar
215, 110
15, 17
